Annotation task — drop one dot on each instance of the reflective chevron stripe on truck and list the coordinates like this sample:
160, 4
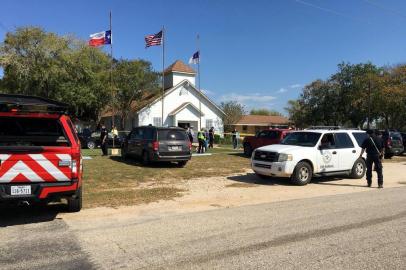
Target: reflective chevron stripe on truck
15, 168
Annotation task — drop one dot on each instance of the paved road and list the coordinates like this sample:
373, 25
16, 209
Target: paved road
364, 230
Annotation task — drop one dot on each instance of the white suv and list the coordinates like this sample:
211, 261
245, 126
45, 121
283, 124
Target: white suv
303, 154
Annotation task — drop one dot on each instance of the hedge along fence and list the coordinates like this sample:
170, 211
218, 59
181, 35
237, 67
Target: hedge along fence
227, 139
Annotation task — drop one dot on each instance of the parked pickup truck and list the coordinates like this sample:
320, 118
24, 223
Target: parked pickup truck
40, 156
264, 137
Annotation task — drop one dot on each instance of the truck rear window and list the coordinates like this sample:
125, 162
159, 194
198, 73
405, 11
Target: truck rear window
21, 131
171, 135
360, 137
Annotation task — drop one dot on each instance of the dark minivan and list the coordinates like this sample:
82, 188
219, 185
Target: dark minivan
152, 144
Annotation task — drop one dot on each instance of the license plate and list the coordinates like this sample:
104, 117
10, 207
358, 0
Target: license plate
174, 148
20, 190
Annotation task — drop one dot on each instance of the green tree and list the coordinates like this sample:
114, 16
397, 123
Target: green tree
342, 99
233, 113
40, 63
133, 79
353, 82
389, 96
264, 111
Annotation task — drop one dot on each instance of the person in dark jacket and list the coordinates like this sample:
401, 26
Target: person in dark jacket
373, 146
103, 139
211, 137
234, 138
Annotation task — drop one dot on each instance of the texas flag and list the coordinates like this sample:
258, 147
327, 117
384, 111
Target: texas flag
101, 38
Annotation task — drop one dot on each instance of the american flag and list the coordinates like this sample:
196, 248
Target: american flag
153, 40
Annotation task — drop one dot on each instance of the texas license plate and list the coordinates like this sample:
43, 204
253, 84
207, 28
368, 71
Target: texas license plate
20, 190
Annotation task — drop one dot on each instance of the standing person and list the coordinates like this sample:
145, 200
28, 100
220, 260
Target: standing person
374, 147
211, 137
114, 131
234, 134
189, 134
201, 139
103, 139
206, 140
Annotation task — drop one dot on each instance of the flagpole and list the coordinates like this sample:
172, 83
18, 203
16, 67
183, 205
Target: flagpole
198, 77
111, 78
163, 75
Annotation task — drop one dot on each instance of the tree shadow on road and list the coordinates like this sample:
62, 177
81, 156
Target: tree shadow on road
12, 215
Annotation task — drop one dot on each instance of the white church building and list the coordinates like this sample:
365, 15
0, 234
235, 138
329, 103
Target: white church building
183, 104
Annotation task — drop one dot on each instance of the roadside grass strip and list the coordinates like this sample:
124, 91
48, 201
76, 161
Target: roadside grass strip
113, 181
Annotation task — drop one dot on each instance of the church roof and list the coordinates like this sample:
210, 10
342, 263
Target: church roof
179, 66
184, 105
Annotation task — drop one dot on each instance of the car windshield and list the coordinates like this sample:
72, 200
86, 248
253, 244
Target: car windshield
308, 139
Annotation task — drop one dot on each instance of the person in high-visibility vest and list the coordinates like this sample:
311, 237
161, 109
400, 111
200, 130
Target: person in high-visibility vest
202, 141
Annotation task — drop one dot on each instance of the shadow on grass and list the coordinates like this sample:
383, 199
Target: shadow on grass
136, 162
252, 178
238, 154
12, 214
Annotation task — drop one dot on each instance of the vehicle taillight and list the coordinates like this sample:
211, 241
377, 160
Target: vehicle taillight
155, 146
389, 142
190, 146
75, 165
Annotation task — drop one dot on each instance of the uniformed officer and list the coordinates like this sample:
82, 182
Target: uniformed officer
103, 139
373, 146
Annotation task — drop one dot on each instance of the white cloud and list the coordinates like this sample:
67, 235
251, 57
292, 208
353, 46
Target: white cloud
282, 90
297, 85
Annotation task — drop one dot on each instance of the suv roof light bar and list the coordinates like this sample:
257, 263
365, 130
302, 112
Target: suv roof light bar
331, 128
21, 103
325, 127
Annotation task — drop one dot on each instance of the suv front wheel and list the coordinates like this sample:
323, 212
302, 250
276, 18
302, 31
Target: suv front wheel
302, 174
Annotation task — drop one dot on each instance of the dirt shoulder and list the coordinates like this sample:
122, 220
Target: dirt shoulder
237, 190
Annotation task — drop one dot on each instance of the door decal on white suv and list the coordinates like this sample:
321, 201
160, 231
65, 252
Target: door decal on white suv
327, 156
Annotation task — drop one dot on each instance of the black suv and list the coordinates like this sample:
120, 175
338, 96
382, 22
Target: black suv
393, 143
91, 140
151, 144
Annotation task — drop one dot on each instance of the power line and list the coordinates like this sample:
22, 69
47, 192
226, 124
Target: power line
331, 11
390, 10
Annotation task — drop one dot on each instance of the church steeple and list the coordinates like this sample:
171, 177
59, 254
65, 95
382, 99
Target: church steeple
178, 72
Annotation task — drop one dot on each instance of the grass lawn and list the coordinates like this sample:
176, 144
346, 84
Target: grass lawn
111, 181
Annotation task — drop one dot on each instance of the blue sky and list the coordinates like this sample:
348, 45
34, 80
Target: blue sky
258, 52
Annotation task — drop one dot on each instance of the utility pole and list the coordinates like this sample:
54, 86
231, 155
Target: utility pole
163, 75
111, 80
198, 77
